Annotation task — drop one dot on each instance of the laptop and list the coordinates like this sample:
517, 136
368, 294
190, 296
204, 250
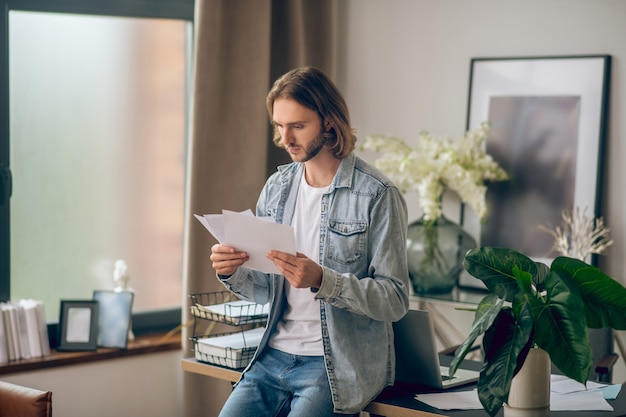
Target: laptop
417, 359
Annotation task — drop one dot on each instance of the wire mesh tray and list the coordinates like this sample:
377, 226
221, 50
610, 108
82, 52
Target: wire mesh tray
224, 307
233, 350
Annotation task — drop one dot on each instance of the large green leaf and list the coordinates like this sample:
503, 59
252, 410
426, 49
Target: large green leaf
604, 298
495, 267
505, 343
524, 280
542, 272
560, 326
486, 313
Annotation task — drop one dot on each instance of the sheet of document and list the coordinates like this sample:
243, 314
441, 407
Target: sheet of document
564, 385
251, 234
565, 395
453, 400
214, 223
592, 400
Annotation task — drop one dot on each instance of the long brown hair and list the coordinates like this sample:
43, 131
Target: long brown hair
311, 88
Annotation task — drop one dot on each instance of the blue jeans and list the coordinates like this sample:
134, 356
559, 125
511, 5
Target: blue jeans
280, 384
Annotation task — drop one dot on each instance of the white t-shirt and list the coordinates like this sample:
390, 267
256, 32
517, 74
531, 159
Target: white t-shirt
300, 331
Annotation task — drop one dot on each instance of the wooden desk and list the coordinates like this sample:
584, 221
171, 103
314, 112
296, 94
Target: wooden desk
396, 402
382, 408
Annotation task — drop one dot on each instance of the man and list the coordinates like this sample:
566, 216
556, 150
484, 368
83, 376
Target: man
328, 348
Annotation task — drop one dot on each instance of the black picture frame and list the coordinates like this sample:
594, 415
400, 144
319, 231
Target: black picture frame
114, 319
78, 325
548, 120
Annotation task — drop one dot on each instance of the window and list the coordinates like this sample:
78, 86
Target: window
97, 122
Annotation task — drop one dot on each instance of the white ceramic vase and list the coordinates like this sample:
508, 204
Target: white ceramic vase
530, 389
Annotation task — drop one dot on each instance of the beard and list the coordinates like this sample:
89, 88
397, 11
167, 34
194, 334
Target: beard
312, 149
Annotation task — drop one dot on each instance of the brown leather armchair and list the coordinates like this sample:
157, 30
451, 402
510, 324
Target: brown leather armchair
19, 401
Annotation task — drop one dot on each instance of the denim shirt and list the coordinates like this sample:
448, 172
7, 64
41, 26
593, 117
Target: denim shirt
365, 277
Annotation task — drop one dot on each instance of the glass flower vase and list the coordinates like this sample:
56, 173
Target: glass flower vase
435, 254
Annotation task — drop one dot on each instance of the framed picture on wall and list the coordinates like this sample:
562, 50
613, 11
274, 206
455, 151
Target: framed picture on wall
78, 325
548, 124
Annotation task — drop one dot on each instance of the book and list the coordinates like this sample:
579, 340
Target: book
32, 326
43, 328
22, 331
233, 312
10, 326
4, 348
234, 350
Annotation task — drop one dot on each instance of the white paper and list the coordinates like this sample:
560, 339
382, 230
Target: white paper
575, 400
462, 400
234, 312
238, 309
254, 235
564, 385
579, 401
237, 340
214, 223
235, 350
257, 236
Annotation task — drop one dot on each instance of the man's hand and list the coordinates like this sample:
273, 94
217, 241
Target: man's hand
226, 259
300, 271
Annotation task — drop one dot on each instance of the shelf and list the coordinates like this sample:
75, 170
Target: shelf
141, 345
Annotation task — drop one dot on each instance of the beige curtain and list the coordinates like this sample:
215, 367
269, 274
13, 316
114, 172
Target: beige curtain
241, 46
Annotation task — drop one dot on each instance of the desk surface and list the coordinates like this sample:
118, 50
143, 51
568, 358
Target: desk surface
395, 407
458, 297
404, 400
400, 402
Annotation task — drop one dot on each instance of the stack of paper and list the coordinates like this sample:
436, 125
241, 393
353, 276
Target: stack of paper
251, 234
235, 312
233, 350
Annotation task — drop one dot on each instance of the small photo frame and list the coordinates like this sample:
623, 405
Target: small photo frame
115, 309
78, 325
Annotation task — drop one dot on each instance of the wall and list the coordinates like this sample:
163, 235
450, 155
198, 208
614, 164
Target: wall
404, 67
137, 386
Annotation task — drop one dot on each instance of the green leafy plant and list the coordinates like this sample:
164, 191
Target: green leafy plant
530, 304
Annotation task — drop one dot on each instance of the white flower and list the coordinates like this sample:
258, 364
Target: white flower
434, 165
